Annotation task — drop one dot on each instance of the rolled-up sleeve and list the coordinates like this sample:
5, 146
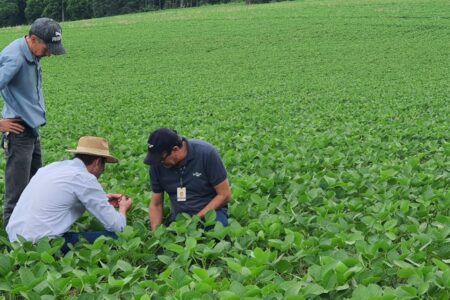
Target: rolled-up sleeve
215, 169
9, 66
96, 202
154, 180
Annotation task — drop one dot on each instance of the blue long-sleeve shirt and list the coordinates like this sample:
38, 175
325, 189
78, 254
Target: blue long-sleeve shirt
21, 84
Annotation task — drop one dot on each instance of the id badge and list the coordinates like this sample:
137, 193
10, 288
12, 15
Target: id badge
181, 194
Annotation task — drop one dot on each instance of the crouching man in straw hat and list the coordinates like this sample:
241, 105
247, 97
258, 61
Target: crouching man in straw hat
60, 193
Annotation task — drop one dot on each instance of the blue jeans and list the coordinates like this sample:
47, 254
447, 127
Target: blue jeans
74, 237
222, 217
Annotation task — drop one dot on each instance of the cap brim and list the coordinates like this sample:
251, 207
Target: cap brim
109, 158
56, 48
152, 159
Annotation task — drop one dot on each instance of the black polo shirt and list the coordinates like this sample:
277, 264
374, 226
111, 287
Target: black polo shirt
202, 171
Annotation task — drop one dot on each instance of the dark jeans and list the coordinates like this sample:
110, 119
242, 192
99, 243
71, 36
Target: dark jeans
74, 237
23, 159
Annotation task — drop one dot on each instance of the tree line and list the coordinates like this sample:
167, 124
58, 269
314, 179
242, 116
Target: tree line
18, 12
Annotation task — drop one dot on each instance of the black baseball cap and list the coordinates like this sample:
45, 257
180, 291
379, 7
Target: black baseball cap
50, 32
160, 142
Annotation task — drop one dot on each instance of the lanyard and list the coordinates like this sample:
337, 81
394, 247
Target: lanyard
181, 175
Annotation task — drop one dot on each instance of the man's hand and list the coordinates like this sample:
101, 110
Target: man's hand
125, 204
114, 199
11, 125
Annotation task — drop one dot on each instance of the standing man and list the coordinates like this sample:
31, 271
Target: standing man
61, 192
21, 89
191, 172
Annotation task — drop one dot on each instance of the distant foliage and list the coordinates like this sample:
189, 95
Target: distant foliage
53, 9
17, 12
9, 11
79, 9
34, 9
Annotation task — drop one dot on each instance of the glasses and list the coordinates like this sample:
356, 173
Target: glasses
165, 156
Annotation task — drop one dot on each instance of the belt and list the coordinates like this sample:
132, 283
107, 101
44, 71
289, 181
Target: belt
23, 123
27, 127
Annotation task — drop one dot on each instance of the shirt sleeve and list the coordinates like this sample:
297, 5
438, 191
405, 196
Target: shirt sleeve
215, 169
154, 180
9, 66
96, 202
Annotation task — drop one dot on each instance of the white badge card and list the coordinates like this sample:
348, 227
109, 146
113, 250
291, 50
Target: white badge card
181, 194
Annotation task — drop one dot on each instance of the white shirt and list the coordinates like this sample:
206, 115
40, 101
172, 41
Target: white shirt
57, 195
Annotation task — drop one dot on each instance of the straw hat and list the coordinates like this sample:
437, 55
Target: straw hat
96, 146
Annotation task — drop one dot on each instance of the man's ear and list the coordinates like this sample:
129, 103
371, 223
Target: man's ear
98, 161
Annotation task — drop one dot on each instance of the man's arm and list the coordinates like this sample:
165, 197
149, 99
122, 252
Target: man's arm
223, 197
9, 67
95, 200
156, 210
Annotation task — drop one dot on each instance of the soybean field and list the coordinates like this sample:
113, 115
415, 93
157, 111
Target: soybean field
332, 118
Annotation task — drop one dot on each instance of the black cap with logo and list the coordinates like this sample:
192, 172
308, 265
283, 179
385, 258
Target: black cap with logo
160, 142
50, 32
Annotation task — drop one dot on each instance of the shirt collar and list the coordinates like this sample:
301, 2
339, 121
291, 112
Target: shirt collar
26, 51
191, 151
79, 163
190, 154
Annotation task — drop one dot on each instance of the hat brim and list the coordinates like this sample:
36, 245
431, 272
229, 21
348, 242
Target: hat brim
152, 159
109, 158
56, 48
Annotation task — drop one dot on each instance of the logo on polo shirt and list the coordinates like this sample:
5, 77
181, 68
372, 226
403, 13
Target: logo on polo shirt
197, 174
150, 146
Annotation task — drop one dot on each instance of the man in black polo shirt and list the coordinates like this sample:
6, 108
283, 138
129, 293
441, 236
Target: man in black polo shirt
191, 172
